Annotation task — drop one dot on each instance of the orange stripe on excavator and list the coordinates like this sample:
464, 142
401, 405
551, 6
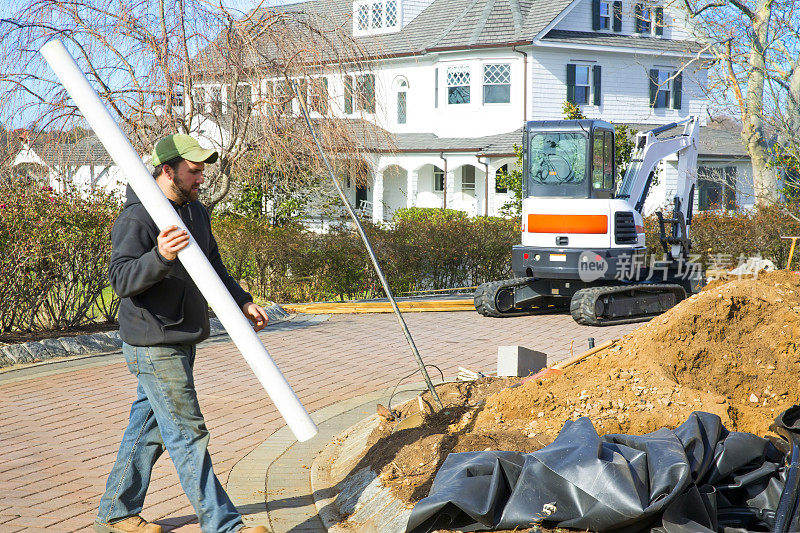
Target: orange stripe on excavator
594, 224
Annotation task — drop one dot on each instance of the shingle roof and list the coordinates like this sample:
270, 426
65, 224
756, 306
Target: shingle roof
623, 41
502, 144
290, 32
712, 141
443, 24
715, 141
86, 151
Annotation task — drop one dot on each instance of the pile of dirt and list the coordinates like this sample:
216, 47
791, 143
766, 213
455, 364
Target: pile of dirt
407, 460
731, 350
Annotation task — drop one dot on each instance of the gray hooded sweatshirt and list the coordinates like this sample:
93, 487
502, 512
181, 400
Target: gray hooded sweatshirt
160, 304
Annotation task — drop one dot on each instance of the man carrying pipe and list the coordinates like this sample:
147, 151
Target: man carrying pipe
162, 317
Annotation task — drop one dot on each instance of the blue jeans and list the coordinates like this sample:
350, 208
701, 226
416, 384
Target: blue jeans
166, 415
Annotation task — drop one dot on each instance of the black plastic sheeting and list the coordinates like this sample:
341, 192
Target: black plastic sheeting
697, 478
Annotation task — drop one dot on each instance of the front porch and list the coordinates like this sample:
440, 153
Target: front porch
464, 182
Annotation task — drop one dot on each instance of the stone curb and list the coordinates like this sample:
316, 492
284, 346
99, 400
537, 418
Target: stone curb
95, 343
357, 502
248, 478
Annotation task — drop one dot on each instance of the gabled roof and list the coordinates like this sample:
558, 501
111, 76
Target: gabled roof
86, 151
444, 24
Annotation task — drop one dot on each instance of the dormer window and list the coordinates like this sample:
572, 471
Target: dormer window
649, 19
375, 16
605, 15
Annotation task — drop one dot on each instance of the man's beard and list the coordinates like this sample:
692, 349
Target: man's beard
183, 195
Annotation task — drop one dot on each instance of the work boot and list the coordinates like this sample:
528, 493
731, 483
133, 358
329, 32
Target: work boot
256, 529
132, 524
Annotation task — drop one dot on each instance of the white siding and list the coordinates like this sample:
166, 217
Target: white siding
661, 195
445, 120
625, 86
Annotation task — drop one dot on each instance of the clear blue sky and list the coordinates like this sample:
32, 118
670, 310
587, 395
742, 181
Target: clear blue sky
232, 5
8, 8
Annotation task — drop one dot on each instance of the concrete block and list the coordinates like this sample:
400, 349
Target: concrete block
215, 327
519, 361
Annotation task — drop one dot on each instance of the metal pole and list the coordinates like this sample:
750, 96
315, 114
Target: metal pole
371, 253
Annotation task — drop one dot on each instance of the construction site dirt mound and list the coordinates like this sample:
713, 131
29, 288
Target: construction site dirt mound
731, 350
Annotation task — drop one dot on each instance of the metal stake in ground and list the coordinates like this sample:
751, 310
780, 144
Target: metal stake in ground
371, 253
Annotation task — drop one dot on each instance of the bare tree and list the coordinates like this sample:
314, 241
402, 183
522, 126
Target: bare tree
758, 70
187, 66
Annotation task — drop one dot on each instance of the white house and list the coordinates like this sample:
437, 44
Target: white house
453, 82
82, 166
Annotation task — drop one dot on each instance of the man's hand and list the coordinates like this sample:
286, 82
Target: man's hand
171, 241
256, 314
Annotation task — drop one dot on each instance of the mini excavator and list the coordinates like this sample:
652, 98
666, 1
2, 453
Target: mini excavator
583, 238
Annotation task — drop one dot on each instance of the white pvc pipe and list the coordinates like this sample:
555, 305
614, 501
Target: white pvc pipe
192, 257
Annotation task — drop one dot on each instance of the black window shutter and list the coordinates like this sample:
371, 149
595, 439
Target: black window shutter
659, 21
677, 88
597, 76
596, 14
653, 86
571, 83
617, 16
638, 17
348, 95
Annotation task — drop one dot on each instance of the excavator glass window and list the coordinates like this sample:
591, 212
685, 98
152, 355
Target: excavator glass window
557, 164
603, 160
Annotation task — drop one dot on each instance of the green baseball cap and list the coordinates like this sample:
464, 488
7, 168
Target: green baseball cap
180, 145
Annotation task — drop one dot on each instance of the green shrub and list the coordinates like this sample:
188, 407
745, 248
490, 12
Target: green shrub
722, 238
54, 253
423, 249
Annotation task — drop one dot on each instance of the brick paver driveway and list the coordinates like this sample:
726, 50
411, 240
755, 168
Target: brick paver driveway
60, 426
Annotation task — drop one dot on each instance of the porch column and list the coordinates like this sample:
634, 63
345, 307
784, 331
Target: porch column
377, 197
412, 182
451, 188
491, 183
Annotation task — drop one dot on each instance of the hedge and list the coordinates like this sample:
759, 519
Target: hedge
54, 253
722, 238
426, 249
423, 249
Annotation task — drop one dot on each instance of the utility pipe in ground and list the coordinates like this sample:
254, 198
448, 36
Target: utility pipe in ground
192, 257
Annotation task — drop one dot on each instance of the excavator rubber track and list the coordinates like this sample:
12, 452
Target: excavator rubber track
624, 304
495, 299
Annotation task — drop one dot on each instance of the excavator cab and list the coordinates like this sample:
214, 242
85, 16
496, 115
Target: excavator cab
569, 159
